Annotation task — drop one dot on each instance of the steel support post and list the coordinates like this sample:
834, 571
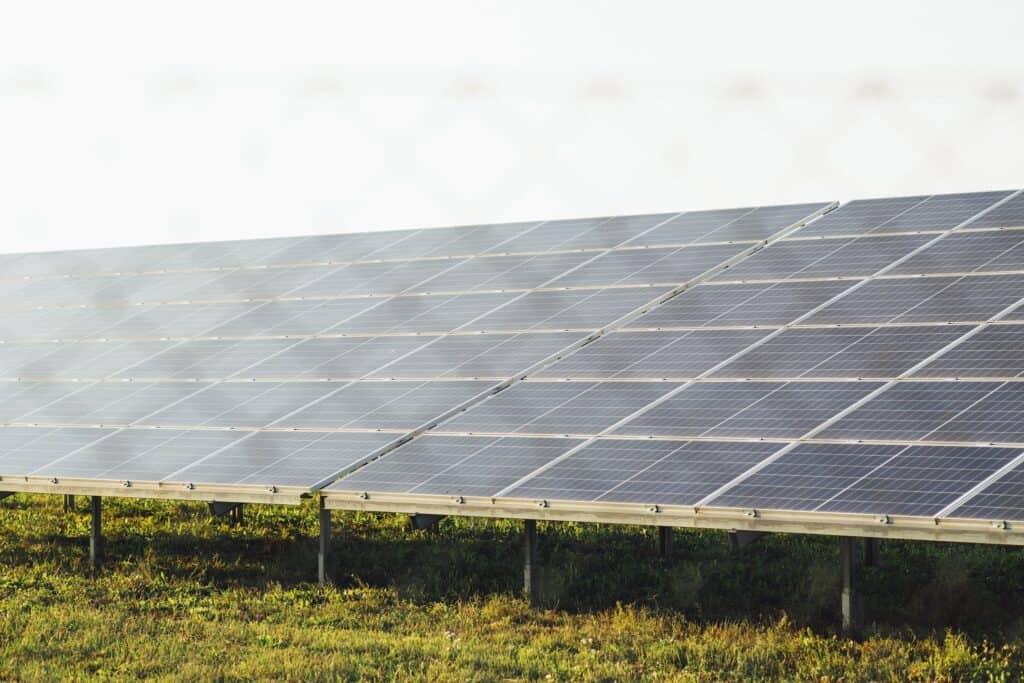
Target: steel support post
872, 551
421, 522
741, 538
324, 569
530, 583
96, 532
852, 620
665, 543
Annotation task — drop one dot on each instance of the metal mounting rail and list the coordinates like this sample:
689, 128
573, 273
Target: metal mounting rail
742, 519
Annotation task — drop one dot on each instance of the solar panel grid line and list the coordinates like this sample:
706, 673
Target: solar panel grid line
956, 274
849, 236
341, 297
76, 451
784, 440
968, 229
768, 281
855, 278
816, 326
533, 435
859, 403
1006, 228
582, 250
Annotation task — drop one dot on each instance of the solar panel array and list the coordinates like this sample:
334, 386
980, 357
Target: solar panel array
212, 370
868, 363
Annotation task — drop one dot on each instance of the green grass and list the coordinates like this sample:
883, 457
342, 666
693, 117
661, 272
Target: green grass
186, 597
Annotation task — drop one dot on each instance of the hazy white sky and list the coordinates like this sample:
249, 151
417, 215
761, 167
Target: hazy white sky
122, 123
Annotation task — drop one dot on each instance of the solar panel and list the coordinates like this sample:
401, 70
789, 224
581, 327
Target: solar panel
282, 458
666, 472
1009, 214
858, 257
925, 300
649, 266
458, 465
843, 352
910, 411
753, 224
680, 355
1003, 499
558, 407
747, 409
920, 480
873, 479
479, 355
505, 272
583, 233
575, 310
969, 252
996, 351
905, 214
264, 365
741, 304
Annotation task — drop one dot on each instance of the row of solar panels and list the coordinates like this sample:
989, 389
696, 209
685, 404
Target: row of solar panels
987, 251
661, 409
695, 227
850, 352
861, 217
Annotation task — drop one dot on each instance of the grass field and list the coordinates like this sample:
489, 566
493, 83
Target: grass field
184, 596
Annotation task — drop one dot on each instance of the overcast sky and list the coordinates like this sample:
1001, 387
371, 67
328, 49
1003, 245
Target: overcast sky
124, 124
